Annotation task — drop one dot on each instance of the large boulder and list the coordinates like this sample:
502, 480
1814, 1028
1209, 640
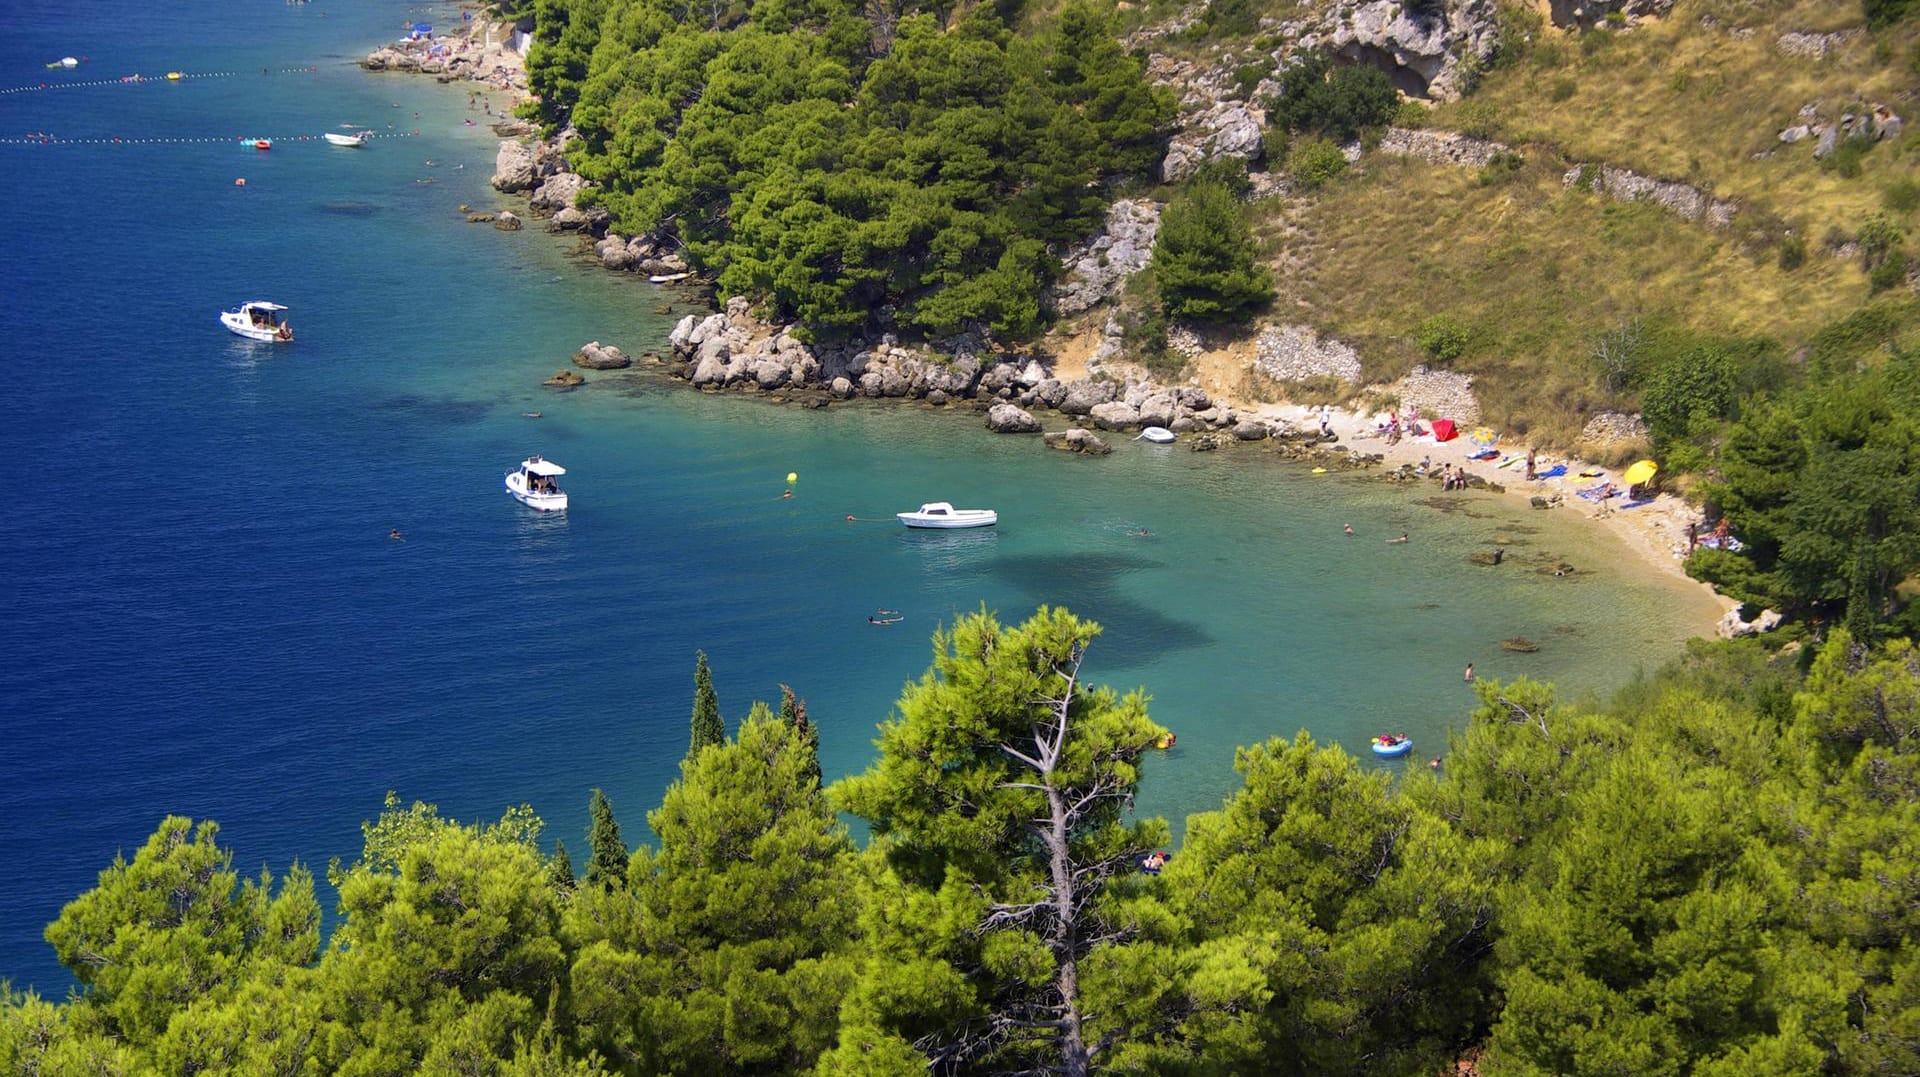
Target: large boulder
1251, 430
1115, 415
710, 371
1007, 419
681, 339
597, 356
559, 191
513, 166
1082, 396
507, 221
613, 251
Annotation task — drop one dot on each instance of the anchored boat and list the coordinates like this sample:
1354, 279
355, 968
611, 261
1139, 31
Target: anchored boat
533, 485
939, 514
258, 320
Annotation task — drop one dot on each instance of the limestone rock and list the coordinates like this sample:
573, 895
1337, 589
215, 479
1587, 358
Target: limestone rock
841, 388
1732, 627
1094, 273
597, 356
513, 166
1427, 51
682, 336
1288, 353
507, 221
1078, 439
614, 252
1007, 419
1226, 129
1251, 430
1082, 396
565, 379
1115, 415
1441, 147
1685, 200
559, 191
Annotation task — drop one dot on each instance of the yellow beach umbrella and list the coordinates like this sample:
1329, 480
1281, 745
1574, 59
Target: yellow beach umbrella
1640, 472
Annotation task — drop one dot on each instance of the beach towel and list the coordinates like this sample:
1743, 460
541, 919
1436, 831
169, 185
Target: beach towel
1553, 472
1487, 455
1598, 492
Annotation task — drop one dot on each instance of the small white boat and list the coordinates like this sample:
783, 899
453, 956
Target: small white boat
668, 278
258, 320
356, 139
939, 514
533, 486
1159, 435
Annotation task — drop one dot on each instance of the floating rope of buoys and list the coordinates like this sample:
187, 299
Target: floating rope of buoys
244, 141
141, 80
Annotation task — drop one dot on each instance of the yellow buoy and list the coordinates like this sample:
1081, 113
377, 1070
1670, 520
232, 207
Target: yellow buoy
1319, 471
173, 76
792, 477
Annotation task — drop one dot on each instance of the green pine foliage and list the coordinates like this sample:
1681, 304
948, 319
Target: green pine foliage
606, 851
708, 727
848, 163
1205, 261
1718, 874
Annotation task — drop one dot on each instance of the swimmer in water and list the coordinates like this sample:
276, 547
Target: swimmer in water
531, 414
1349, 529
396, 535
1403, 538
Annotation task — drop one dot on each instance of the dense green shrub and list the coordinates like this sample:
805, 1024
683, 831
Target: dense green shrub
1891, 272
1204, 258
1901, 196
1442, 337
1793, 252
1338, 101
1315, 162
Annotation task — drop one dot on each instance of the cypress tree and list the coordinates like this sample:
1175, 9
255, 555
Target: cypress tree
708, 728
607, 859
793, 711
561, 870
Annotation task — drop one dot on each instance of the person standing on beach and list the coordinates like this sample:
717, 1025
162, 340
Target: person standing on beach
1530, 463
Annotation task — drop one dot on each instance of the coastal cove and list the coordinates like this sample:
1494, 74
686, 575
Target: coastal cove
212, 620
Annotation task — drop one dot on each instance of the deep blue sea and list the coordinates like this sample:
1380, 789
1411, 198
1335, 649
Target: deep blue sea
204, 614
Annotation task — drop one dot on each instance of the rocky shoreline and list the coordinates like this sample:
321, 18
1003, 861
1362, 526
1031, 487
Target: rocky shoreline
734, 350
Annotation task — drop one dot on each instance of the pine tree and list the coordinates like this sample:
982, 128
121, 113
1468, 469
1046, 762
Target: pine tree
793, 711
607, 860
561, 871
1000, 801
708, 728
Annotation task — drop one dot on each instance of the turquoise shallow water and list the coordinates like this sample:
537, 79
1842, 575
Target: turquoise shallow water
205, 614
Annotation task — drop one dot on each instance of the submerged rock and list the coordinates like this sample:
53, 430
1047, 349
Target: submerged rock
565, 379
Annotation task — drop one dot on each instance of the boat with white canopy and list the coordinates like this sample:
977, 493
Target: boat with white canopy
939, 514
533, 484
258, 320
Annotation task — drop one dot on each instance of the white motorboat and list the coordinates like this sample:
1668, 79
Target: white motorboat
1159, 435
258, 320
533, 486
359, 138
939, 514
